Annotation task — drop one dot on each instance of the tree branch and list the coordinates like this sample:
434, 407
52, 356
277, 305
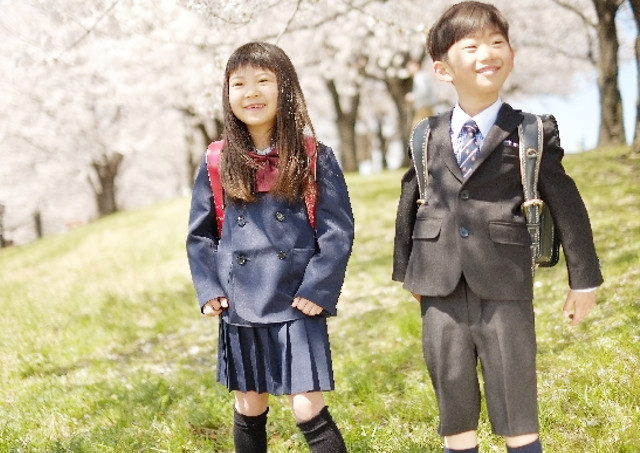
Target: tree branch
288, 24
577, 11
89, 30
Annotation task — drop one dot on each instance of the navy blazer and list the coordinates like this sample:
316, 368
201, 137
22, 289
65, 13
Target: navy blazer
474, 227
268, 253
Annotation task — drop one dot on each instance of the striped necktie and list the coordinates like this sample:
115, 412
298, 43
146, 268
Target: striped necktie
470, 149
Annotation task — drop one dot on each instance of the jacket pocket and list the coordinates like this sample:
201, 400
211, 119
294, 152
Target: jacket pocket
427, 228
509, 233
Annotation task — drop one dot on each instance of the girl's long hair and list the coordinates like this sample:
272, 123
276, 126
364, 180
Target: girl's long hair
237, 169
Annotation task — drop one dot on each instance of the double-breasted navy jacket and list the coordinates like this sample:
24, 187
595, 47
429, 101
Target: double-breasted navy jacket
474, 227
268, 253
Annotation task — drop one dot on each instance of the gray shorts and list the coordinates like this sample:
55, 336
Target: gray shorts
461, 328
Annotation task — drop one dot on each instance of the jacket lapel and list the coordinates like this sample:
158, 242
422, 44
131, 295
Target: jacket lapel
506, 122
441, 134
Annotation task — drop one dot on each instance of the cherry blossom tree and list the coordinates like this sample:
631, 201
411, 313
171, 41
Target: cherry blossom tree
598, 20
109, 104
555, 40
93, 106
635, 8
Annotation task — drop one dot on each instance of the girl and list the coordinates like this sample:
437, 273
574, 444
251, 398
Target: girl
271, 276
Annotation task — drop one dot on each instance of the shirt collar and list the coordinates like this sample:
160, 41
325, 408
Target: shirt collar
485, 119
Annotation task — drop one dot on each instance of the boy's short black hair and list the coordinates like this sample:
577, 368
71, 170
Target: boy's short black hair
460, 21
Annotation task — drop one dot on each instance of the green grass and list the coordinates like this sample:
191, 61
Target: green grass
102, 348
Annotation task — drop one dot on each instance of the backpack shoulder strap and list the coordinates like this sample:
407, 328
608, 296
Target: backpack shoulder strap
545, 242
214, 151
418, 148
530, 150
311, 193
213, 170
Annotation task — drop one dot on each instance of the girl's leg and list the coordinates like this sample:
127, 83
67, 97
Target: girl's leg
250, 422
315, 422
305, 406
251, 403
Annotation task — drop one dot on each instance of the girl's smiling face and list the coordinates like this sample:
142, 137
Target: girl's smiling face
253, 98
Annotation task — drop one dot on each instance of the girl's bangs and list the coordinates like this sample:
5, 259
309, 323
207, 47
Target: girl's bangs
255, 56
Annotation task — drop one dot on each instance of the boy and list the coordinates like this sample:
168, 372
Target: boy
465, 254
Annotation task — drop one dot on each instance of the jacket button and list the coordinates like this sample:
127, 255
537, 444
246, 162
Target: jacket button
281, 255
463, 232
241, 221
464, 195
241, 260
279, 216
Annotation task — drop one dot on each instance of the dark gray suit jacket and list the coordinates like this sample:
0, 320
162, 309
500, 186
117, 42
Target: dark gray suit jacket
475, 226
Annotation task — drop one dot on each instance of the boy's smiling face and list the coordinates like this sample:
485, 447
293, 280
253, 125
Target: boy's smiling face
477, 66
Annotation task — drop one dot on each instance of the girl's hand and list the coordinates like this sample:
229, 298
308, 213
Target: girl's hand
215, 306
306, 306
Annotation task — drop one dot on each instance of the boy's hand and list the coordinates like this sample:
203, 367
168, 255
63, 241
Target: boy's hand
215, 306
578, 305
306, 306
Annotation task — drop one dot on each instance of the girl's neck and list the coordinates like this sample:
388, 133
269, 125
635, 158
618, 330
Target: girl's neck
261, 140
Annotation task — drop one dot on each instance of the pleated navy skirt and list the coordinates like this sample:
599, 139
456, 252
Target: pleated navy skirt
279, 359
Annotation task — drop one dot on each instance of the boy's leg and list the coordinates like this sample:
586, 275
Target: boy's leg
250, 422
315, 422
520, 441
533, 447
450, 354
505, 336
461, 442
466, 450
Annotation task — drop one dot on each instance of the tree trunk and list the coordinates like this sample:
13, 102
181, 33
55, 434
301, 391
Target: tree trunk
611, 118
37, 224
195, 153
635, 7
382, 140
398, 89
3, 242
104, 188
197, 137
346, 122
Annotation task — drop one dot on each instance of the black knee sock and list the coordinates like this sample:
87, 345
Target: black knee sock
250, 433
468, 450
533, 447
322, 434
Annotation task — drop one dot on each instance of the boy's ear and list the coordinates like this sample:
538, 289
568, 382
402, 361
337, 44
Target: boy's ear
441, 70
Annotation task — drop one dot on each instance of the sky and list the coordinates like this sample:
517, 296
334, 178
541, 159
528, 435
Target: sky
579, 114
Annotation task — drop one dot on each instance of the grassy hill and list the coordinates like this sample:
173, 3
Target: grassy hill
102, 348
